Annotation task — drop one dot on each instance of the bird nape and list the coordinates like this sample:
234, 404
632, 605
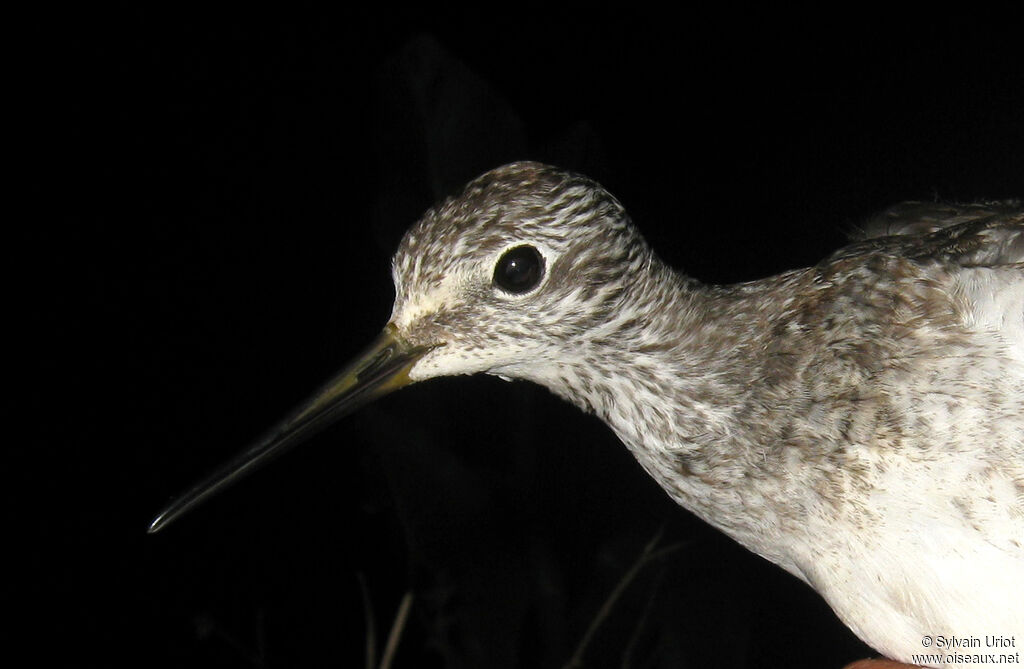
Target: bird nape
858, 422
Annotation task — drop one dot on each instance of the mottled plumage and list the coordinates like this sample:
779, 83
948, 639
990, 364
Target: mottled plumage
860, 423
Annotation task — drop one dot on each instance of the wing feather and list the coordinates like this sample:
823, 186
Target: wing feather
986, 234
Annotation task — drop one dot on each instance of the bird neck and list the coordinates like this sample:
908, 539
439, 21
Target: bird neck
670, 374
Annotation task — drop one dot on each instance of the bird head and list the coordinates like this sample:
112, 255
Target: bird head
507, 277
512, 272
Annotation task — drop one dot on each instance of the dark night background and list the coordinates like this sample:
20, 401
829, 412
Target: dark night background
220, 193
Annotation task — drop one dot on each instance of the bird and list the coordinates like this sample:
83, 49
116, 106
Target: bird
859, 423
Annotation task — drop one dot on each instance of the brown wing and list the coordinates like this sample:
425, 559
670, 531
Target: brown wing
986, 234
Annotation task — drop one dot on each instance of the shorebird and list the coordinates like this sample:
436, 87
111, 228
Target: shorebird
860, 423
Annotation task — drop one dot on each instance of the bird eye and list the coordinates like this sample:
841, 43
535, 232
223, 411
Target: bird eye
519, 270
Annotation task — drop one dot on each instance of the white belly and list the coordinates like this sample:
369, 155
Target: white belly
928, 571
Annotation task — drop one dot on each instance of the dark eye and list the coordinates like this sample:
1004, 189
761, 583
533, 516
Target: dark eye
519, 270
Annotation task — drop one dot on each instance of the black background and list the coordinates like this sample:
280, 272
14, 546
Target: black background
217, 194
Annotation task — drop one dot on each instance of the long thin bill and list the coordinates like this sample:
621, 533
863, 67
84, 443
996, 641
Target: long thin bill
382, 368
